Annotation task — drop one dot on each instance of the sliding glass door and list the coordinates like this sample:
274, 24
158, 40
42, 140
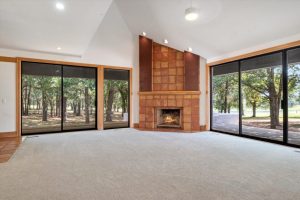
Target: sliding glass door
58, 98
225, 98
293, 58
261, 88
258, 97
79, 98
41, 97
116, 98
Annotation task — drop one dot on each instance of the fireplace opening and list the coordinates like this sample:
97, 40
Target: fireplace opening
169, 118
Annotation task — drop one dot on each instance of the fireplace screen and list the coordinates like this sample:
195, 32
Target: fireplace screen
169, 118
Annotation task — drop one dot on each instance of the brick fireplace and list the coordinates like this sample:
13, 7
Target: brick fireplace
169, 88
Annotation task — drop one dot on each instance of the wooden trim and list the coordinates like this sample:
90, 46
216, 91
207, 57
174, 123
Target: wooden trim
114, 67
191, 71
12, 134
100, 97
203, 128
256, 53
18, 97
8, 59
136, 125
130, 99
207, 93
145, 64
170, 92
57, 62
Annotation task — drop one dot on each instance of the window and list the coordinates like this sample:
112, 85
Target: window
293, 57
116, 98
261, 88
258, 97
225, 98
57, 98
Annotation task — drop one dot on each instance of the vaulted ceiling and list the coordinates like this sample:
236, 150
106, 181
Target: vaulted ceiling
36, 25
224, 26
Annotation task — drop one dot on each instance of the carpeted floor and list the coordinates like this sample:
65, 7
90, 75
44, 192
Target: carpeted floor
133, 165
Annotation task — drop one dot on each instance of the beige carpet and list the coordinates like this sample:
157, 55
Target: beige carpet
133, 165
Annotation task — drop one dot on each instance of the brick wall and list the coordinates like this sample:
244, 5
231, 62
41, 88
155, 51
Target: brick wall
168, 69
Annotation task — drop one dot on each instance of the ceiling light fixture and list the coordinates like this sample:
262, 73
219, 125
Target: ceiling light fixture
60, 6
190, 49
58, 48
191, 13
166, 41
144, 33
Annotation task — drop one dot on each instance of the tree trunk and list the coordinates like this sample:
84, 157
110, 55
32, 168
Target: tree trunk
64, 109
225, 96
79, 108
25, 95
45, 106
123, 101
274, 100
74, 106
242, 107
110, 100
87, 105
274, 112
28, 100
57, 107
254, 109
51, 108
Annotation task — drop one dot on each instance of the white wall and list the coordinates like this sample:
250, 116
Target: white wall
7, 97
113, 44
203, 105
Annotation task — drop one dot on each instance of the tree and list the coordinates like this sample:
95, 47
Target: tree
253, 99
268, 83
109, 94
225, 91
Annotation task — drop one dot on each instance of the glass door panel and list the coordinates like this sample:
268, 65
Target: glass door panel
261, 88
41, 97
293, 57
225, 98
116, 98
79, 98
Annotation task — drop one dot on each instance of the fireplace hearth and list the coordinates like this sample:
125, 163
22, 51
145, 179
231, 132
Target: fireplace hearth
168, 118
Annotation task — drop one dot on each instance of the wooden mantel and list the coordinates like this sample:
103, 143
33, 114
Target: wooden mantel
170, 92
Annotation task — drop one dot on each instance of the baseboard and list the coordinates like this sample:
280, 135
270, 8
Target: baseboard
203, 128
8, 134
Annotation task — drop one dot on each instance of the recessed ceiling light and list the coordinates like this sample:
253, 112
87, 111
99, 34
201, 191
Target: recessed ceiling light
58, 48
60, 6
166, 41
191, 14
144, 33
190, 49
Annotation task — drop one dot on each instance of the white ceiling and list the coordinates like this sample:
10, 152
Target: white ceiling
36, 25
224, 26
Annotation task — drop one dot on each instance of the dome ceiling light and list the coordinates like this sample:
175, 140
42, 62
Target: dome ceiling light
191, 13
